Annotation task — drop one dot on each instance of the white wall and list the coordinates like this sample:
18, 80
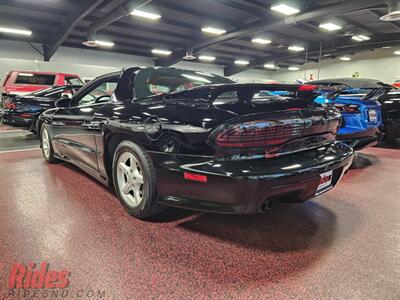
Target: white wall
90, 63
382, 65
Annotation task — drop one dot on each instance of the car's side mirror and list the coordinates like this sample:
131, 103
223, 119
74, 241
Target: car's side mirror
63, 102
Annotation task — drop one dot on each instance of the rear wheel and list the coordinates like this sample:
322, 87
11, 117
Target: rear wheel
47, 147
135, 180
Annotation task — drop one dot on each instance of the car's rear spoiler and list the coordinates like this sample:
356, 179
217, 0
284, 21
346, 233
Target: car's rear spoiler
246, 91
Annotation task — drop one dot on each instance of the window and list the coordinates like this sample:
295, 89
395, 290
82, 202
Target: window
32, 78
157, 81
73, 81
99, 92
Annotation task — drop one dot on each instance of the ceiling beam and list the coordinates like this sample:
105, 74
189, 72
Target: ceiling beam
267, 25
85, 8
340, 48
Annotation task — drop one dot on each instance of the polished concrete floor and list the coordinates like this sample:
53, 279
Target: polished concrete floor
344, 244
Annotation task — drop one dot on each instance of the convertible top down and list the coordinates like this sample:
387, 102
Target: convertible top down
197, 140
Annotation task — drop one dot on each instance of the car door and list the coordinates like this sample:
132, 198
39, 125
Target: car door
73, 127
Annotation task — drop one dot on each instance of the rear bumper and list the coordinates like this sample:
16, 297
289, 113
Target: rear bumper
16, 119
362, 139
242, 187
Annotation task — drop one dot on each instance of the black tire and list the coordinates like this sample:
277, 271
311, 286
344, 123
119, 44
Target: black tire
50, 158
148, 206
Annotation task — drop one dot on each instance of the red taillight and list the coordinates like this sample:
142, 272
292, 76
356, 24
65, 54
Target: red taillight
257, 134
348, 108
25, 115
195, 177
307, 87
8, 104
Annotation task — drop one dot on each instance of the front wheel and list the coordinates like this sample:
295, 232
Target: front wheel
47, 147
135, 180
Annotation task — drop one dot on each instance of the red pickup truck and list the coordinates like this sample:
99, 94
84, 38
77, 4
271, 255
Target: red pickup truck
24, 82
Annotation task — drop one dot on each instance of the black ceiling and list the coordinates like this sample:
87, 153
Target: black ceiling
60, 22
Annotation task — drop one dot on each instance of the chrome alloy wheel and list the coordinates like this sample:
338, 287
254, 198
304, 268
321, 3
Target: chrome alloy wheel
45, 143
130, 179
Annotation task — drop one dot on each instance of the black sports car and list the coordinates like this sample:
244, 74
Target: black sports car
197, 140
391, 114
23, 110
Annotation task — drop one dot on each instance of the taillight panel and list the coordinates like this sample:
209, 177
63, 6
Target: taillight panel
267, 133
347, 108
9, 104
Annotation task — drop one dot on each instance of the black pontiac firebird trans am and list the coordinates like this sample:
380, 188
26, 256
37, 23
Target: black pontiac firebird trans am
170, 137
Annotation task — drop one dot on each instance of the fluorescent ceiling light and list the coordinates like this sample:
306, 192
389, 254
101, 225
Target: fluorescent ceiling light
213, 30
161, 52
261, 41
396, 52
269, 66
356, 38
360, 38
296, 48
241, 62
330, 26
285, 9
345, 58
364, 37
293, 68
207, 58
386, 47
144, 14
15, 31
104, 43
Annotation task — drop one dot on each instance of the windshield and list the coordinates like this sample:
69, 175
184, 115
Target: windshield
166, 80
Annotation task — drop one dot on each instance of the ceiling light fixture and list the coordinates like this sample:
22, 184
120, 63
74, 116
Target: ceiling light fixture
104, 43
293, 68
360, 38
213, 30
261, 41
241, 62
345, 58
393, 14
330, 26
396, 52
15, 31
145, 14
189, 55
161, 52
296, 48
96, 43
285, 9
207, 58
270, 66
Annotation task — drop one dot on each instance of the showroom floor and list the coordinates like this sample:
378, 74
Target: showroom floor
343, 245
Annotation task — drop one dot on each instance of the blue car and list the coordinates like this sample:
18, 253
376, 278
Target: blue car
357, 100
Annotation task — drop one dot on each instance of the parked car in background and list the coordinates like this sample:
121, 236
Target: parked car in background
391, 114
197, 141
357, 100
397, 83
24, 110
25, 82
